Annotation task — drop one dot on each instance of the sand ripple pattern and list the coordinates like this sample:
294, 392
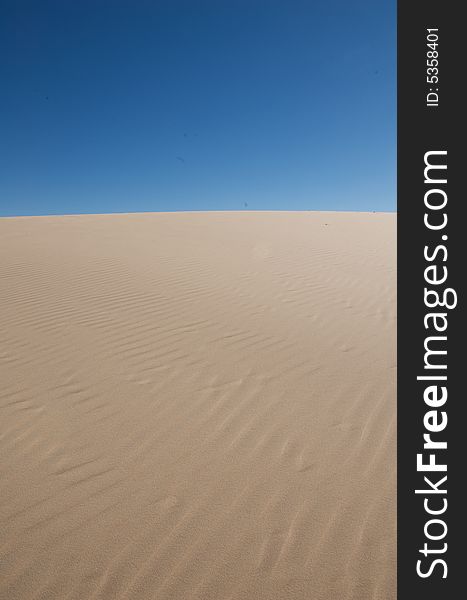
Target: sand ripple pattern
198, 407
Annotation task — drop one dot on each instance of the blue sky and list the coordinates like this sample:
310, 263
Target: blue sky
125, 106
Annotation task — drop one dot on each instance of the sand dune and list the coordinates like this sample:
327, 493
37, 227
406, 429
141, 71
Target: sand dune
198, 406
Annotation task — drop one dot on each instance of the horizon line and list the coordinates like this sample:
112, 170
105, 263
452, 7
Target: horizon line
146, 212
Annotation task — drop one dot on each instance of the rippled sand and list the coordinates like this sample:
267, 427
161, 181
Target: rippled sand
198, 406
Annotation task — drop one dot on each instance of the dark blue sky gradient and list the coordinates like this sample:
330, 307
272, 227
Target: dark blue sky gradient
184, 105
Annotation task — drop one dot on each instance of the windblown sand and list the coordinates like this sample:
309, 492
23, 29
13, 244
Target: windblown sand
198, 406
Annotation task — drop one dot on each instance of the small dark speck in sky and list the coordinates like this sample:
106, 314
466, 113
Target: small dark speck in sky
180, 159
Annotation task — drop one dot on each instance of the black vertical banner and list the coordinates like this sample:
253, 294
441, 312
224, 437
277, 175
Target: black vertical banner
432, 435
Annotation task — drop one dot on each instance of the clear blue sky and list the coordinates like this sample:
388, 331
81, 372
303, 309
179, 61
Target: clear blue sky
135, 105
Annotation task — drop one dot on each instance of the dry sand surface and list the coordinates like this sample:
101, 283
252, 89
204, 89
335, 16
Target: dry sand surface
198, 406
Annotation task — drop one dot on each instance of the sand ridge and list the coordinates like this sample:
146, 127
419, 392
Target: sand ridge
198, 406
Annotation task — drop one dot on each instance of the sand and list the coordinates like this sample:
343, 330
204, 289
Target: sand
198, 406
